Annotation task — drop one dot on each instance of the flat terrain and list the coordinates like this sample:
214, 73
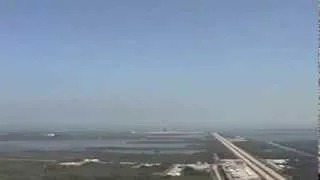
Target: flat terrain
40, 171
303, 167
41, 164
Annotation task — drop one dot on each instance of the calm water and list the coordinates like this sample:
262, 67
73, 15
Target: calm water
81, 145
78, 144
277, 135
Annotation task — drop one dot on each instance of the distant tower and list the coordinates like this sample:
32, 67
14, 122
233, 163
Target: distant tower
163, 124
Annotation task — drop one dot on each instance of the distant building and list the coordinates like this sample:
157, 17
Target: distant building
236, 169
80, 163
51, 135
278, 164
176, 169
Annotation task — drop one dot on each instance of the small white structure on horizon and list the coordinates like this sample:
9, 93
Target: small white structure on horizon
51, 135
80, 163
199, 166
71, 164
91, 160
146, 165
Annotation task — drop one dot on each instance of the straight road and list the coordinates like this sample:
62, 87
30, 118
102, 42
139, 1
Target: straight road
264, 171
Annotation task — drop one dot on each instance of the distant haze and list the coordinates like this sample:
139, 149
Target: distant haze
153, 64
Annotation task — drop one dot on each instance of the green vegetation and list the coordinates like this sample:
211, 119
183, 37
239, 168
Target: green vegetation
303, 167
40, 171
114, 157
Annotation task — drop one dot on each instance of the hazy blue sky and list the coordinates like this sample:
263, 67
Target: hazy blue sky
210, 63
